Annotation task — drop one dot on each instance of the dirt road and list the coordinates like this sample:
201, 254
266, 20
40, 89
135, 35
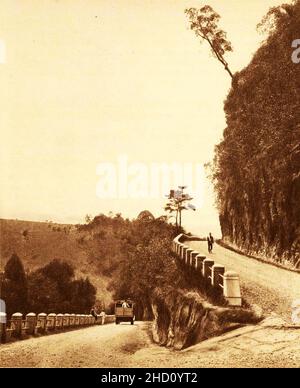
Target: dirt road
266, 285
270, 344
98, 346
265, 345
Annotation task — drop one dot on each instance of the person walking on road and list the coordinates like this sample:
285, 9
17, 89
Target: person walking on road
210, 242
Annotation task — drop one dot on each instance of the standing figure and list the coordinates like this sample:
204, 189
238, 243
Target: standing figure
125, 304
210, 242
94, 313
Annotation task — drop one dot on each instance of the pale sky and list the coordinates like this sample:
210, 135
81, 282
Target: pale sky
85, 81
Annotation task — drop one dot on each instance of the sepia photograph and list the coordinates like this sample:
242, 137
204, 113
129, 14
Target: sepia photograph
150, 187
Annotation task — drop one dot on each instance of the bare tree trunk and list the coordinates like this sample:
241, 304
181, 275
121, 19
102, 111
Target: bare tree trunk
227, 69
219, 57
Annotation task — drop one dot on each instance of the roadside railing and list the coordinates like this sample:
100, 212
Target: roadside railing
226, 281
18, 327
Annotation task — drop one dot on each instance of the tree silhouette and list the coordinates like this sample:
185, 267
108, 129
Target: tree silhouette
14, 286
204, 22
178, 201
54, 288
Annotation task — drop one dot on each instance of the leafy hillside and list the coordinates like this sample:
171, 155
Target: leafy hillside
257, 165
118, 255
37, 243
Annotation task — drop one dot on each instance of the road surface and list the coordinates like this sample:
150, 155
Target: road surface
124, 345
97, 346
271, 287
268, 344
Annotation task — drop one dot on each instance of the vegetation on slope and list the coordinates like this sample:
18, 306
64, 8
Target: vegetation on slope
38, 243
126, 258
257, 164
50, 289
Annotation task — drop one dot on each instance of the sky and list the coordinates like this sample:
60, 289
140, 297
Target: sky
89, 83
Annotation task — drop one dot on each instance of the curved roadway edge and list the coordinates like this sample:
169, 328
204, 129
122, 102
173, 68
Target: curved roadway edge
271, 287
113, 346
231, 248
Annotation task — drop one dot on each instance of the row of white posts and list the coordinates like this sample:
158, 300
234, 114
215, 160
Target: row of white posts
228, 281
42, 323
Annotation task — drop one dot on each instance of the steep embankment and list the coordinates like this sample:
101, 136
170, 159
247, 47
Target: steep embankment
37, 243
257, 165
183, 318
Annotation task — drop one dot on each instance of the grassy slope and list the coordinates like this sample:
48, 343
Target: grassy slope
43, 244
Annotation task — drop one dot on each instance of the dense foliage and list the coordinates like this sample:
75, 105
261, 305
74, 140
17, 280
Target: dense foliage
14, 289
52, 288
257, 165
136, 254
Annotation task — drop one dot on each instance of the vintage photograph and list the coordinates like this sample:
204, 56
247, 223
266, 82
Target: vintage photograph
150, 186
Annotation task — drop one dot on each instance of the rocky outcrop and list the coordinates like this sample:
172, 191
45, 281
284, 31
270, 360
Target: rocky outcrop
257, 164
182, 319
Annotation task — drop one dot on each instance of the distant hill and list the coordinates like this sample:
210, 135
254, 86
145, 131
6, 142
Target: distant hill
37, 243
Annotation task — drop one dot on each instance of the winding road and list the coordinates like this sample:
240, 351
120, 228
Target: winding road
273, 288
272, 343
123, 345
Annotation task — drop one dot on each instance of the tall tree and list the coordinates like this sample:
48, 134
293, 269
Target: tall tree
14, 290
204, 22
178, 201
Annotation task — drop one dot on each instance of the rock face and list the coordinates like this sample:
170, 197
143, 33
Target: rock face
182, 319
257, 164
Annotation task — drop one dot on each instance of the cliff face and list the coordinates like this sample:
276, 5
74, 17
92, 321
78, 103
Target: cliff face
182, 319
257, 165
